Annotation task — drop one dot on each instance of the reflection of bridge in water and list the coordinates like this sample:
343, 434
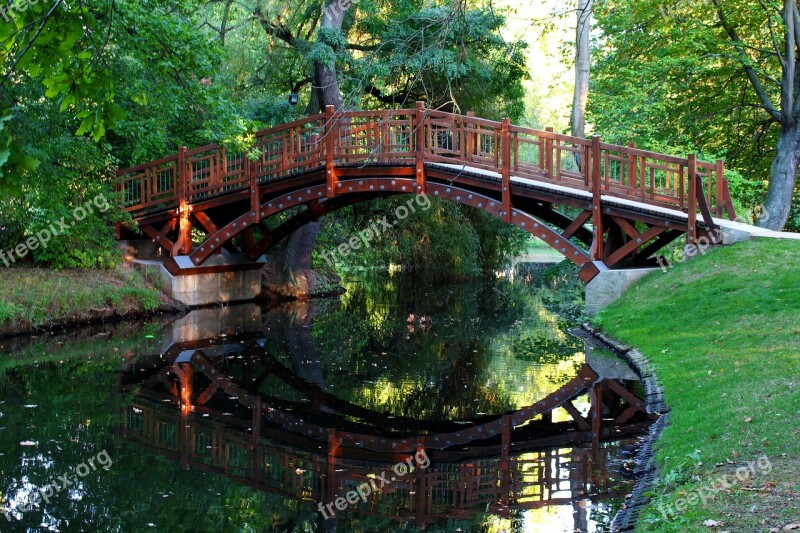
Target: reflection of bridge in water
189, 408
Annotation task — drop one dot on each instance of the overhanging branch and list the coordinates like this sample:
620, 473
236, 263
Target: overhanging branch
752, 75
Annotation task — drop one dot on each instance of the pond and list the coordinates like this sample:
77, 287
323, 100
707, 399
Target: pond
405, 403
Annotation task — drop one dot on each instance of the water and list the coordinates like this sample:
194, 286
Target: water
244, 419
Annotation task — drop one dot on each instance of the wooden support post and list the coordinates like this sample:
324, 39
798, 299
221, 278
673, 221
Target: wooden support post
333, 449
183, 245
255, 194
185, 373
691, 233
255, 462
471, 141
720, 178
330, 147
598, 245
419, 147
631, 168
548, 154
120, 200
596, 393
386, 140
505, 154
728, 201
505, 464
419, 478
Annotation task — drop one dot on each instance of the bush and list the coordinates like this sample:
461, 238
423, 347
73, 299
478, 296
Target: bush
67, 210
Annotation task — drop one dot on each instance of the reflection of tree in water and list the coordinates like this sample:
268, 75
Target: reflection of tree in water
428, 350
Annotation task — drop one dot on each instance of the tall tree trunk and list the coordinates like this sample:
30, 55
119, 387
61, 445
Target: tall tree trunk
582, 68
782, 181
326, 83
292, 274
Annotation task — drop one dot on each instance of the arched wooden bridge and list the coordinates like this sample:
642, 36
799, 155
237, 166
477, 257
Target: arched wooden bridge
600, 205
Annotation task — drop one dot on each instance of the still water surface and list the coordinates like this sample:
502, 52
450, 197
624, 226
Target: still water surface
251, 419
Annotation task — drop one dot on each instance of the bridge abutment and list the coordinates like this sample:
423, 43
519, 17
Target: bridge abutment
608, 285
223, 278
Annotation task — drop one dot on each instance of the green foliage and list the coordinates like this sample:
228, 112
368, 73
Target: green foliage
387, 54
668, 77
74, 184
60, 48
446, 239
9, 310
452, 56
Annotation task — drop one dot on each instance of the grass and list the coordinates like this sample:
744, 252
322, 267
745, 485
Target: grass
723, 332
37, 298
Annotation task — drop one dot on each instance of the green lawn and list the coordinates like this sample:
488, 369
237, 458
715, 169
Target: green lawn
723, 332
35, 298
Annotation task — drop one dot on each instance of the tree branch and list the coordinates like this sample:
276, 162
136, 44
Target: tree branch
278, 31
752, 75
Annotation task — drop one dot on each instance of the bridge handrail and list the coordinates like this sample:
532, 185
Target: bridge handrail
428, 136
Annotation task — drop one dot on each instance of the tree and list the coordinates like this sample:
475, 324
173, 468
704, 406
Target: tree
715, 77
68, 122
783, 172
582, 68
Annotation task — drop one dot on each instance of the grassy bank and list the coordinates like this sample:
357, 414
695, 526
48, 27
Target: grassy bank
723, 332
36, 298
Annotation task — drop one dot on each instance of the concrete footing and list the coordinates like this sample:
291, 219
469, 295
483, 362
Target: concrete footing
223, 278
608, 285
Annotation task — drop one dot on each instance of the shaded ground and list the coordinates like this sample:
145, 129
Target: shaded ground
723, 332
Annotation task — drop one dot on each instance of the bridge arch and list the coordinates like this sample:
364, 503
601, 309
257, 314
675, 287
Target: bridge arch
357, 191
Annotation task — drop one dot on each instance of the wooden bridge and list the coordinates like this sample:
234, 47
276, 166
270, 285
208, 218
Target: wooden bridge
596, 203
192, 406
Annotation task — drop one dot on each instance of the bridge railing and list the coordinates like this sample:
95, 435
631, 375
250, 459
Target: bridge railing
420, 135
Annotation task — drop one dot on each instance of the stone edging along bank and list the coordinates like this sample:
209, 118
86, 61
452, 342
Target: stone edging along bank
645, 468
